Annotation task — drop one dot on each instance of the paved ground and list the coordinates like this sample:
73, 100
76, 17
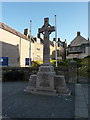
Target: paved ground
81, 100
0, 100
19, 104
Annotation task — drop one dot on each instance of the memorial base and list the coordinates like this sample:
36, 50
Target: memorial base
47, 83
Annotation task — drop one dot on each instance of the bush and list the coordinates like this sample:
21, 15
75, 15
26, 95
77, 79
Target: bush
83, 70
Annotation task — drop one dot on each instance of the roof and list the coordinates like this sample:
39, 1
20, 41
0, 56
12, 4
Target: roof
77, 41
13, 31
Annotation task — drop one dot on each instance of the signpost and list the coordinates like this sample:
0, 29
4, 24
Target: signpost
27, 61
3, 61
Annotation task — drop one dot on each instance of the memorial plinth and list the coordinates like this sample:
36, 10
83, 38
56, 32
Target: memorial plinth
46, 82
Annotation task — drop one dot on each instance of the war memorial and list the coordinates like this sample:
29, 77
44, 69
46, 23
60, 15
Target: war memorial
46, 81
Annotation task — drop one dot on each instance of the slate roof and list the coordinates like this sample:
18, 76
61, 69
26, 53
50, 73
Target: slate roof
78, 40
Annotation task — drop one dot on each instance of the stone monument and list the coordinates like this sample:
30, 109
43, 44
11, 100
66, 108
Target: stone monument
46, 82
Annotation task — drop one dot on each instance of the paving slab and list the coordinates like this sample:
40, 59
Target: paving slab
18, 104
81, 102
81, 112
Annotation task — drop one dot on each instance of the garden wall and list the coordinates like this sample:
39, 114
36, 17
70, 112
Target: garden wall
23, 73
72, 75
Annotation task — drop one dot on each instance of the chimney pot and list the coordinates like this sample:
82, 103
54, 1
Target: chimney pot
26, 31
78, 33
54, 39
58, 39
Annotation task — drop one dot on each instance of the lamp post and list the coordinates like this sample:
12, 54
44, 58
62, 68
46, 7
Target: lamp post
55, 41
59, 54
30, 44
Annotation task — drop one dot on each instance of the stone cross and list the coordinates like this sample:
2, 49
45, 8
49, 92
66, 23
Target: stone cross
46, 82
46, 31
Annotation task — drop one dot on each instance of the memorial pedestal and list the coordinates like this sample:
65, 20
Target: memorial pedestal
46, 82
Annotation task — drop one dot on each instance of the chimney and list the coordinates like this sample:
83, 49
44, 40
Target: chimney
35, 39
58, 39
54, 39
78, 33
26, 31
88, 38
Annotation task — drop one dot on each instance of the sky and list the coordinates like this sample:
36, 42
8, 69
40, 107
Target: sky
89, 20
70, 17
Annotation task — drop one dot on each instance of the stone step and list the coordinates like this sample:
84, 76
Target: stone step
44, 93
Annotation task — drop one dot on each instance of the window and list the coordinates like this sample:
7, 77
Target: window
17, 45
84, 49
38, 48
18, 59
76, 49
72, 49
58, 44
38, 56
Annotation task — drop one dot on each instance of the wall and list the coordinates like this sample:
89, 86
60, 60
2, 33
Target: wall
10, 48
13, 56
38, 51
14, 47
14, 73
24, 51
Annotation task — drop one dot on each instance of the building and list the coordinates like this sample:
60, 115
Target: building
61, 49
79, 47
15, 46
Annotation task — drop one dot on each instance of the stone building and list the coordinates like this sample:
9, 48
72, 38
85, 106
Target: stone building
15, 46
79, 47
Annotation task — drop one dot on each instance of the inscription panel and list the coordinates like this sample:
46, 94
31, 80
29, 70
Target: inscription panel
45, 80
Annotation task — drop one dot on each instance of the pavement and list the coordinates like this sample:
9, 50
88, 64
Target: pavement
19, 104
0, 100
81, 100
